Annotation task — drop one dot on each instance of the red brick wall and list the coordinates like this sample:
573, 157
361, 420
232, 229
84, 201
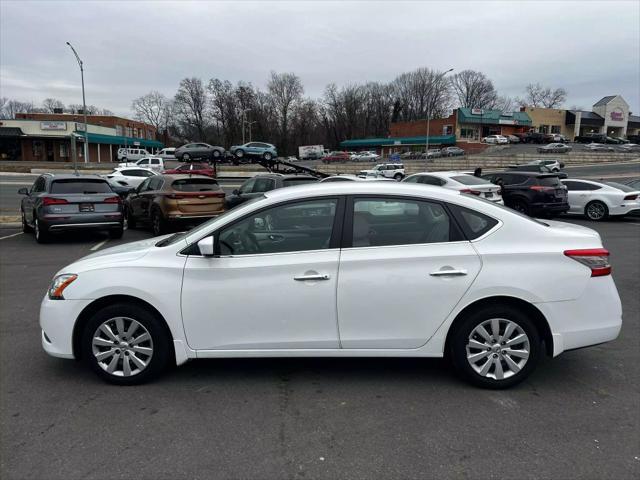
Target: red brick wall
418, 128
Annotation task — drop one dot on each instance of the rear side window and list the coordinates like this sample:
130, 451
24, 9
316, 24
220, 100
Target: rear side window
195, 185
469, 180
548, 182
80, 185
291, 182
474, 224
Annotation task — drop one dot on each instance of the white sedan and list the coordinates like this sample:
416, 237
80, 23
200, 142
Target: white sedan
598, 200
488, 288
462, 182
129, 176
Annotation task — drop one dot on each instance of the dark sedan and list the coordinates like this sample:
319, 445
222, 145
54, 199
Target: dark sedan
256, 186
193, 151
57, 203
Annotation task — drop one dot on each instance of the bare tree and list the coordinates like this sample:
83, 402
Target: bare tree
503, 103
420, 93
152, 108
49, 105
286, 91
11, 107
473, 89
190, 104
538, 96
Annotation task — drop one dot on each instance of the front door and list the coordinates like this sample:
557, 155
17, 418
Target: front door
407, 268
272, 285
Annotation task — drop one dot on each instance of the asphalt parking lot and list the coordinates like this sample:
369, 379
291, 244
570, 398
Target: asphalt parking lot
578, 416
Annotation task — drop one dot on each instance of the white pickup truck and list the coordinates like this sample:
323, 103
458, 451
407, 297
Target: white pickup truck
154, 163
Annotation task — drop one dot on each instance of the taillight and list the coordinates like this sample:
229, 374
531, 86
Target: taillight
631, 197
112, 200
53, 201
540, 188
597, 259
472, 192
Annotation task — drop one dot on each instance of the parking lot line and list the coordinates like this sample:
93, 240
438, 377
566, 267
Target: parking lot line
96, 247
13, 235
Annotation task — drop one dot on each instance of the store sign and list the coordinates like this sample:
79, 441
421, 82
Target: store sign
53, 125
477, 111
617, 116
397, 142
503, 121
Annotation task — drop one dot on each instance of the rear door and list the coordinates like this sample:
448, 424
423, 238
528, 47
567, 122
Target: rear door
411, 247
579, 194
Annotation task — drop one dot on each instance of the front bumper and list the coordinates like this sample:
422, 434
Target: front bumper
57, 320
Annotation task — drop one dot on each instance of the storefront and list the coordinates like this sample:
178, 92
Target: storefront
387, 146
474, 123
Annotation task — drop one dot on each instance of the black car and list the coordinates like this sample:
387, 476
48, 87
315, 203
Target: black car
534, 194
57, 203
256, 186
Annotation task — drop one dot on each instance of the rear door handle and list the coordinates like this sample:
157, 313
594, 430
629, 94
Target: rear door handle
304, 278
452, 273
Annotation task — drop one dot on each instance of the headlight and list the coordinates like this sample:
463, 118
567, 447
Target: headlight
59, 284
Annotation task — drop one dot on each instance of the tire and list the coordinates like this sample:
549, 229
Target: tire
131, 221
216, 154
185, 157
521, 206
239, 153
41, 236
596, 211
267, 156
397, 177
26, 228
158, 223
117, 233
482, 356
154, 353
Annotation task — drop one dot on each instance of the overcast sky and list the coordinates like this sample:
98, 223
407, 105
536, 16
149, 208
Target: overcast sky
592, 49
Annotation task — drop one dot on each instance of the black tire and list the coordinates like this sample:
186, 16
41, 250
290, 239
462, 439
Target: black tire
26, 228
596, 211
267, 156
398, 177
158, 223
131, 220
41, 236
521, 206
185, 157
117, 233
160, 342
461, 335
239, 153
216, 154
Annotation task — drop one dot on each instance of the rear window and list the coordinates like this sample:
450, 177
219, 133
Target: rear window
195, 185
291, 182
548, 181
469, 180
79, 185
474, 224
620, 186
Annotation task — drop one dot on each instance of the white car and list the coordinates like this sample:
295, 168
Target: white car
154, 163
365, 157
480, 284
598, 200
168, 153
554, 165
495, 139
460, 181
599, 147
387, 170
133, 154
130, 176
347, 177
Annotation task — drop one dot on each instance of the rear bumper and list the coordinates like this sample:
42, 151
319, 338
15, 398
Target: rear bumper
626, 208
98, 221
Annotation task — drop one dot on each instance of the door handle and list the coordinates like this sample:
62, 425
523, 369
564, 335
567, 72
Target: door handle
304, 278
453, 273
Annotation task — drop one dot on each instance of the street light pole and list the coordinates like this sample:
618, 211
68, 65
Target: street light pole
84, 106
426, 153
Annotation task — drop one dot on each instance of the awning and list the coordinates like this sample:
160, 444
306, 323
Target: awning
492, 117
11, 132
383, 142
119, 140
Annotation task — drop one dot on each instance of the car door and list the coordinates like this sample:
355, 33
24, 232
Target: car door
149, 194
579, 194
28, 202
135, 199
413, 246
272, 284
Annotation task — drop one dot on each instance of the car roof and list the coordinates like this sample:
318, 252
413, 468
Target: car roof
69, 176
182, 176
446, 174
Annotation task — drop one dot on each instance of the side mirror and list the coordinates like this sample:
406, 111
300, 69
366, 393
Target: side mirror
206, 246
236, 191
23, 191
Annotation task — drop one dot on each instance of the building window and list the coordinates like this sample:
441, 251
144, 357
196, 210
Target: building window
543, 129
129, 132
555, 128
36, 147
447, 130
64, 150
119, 130
468, 133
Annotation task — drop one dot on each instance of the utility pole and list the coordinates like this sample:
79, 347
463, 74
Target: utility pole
251, 123
84, 106
244, 112
426, 153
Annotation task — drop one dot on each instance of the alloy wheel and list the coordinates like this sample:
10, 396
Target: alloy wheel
498, 348
596, 211
122, 346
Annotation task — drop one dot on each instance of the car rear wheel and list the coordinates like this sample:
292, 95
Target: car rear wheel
42, 236
239, 153
158, 223
398, 177
216, 154
495, 347
126, 344
267, 156
185, 157
596, 211
521, 206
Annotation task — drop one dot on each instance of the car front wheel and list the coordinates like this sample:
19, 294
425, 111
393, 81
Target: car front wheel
239, 153
267, 156
126, 344
495, 347
158, 223
186, 157
216, 154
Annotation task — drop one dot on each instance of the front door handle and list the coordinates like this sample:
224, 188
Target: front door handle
304, 278
452, 273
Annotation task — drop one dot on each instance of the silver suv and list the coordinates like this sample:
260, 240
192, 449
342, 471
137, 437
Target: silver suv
126, 154
387, 170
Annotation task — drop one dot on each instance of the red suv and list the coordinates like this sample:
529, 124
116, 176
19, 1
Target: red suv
337, 157
194, 169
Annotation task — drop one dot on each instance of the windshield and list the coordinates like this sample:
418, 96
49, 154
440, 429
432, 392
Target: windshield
177, 237
469, 180
80, 185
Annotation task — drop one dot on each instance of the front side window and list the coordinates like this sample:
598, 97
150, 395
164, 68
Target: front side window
292, 227
389, 221
263, 185
429, 180
155, 183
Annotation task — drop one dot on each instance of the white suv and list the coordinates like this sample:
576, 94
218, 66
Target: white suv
387, 170
154, 163
126, 154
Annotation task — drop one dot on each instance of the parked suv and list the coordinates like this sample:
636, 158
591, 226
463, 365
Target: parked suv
534, 194
256, 186
57, 203
133, 154
265, 151
387, 170
154, 163
204, 151
164, 201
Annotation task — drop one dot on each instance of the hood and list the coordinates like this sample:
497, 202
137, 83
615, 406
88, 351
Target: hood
127, 252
